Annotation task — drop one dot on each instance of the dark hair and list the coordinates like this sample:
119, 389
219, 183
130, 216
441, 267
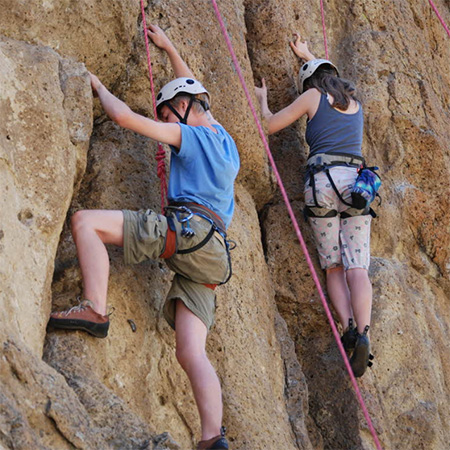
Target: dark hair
196, 106
325, 80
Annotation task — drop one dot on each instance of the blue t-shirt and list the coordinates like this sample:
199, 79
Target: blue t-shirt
203, 170
333, 131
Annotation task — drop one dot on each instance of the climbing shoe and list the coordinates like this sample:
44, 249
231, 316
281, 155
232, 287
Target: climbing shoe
215, 443
361, 358
81, 317
349, 337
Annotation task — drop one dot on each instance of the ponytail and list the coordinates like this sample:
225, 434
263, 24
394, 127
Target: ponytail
324, 79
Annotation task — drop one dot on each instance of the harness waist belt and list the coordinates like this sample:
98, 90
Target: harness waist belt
335, 159
201, 209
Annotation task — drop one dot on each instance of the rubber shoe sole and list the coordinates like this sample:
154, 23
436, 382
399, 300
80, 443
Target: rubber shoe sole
360, 358
349, 339
99, 330
219, 444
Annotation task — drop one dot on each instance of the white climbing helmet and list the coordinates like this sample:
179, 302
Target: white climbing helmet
185, 85
310, 67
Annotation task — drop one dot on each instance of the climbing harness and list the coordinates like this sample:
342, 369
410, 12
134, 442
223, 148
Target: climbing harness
363, 193
160, 154
295, 224
334, 159
202, 211
183, 214
322, 162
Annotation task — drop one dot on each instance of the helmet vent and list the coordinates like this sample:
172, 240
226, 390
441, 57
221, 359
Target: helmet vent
189, 86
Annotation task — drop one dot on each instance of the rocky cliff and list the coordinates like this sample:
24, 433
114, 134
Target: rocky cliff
285, 385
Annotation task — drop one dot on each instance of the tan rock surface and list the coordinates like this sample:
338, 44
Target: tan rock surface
284, 382
40, 410
96, 33
46, 111
405, 95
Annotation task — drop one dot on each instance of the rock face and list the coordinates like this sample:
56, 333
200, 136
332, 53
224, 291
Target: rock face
45, 129
406, 117
284, 383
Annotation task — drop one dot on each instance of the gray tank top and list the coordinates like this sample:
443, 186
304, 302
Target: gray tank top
331, 131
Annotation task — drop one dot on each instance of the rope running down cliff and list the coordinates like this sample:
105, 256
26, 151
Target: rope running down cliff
296, 226
439, 16
324, 30
160, 154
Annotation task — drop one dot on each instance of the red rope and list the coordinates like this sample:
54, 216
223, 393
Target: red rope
439, 17
296, 226
160, 154
324, 30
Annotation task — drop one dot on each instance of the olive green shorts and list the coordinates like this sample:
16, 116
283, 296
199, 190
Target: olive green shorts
145, 238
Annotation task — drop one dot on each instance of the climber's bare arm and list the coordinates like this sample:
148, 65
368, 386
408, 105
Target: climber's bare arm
161, 40
307, 103
301, 48
179, 66
119, 112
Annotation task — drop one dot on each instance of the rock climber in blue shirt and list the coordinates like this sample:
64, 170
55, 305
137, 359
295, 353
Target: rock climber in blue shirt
191, 236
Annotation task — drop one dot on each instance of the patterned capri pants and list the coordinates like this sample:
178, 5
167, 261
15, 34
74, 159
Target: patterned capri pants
339, 241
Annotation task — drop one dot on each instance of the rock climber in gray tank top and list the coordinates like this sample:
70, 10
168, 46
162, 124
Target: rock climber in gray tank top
342, 233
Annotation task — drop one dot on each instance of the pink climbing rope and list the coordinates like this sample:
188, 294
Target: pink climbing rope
324, 30
296, 226
439, 16
160, 154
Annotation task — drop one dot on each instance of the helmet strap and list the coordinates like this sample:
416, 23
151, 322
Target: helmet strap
204, 104
188, 109
174, 111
